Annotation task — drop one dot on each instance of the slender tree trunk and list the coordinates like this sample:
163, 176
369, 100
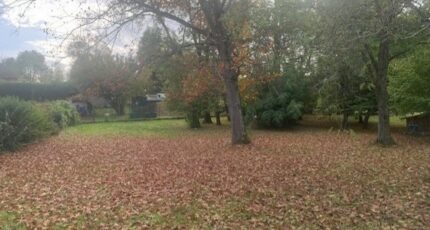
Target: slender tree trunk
121, 110
207, 119
360, 118
218, 118
277, 54
214, 12
366, 121
226, 110
119, 106
344, 125
277, 38
384, 132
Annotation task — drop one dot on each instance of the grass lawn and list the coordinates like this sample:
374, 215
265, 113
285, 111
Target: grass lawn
144, 128
161, 175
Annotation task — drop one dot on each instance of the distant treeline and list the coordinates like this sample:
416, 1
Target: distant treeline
37, 91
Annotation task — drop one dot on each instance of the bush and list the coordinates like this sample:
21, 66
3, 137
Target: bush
277, 112
279, 104
21, 122
63, 114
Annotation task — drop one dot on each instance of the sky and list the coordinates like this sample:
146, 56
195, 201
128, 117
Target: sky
25, 31
14, 39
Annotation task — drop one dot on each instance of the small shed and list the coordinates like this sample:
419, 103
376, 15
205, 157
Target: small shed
82, 105
149, 106
418, 123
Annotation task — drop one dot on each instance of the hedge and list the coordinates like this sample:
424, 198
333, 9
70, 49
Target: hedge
36, 91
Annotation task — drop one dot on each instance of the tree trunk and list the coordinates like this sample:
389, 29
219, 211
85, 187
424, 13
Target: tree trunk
344, 125
193, 119
121, 110
277, 38
226, 111
207, 119
214, 12
384, 133
218, 118
366, 121
360, 118
119, 107
239, 135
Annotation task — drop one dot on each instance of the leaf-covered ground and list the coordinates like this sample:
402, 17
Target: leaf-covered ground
307, 178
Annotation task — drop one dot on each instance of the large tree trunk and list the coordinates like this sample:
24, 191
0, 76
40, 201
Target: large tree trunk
193, 119
239, 135
384, 133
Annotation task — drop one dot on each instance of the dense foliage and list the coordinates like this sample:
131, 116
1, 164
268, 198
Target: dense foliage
22, 122
280, 103
62, 114
410, 82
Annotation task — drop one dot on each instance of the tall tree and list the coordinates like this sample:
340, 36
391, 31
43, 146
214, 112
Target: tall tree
32, 66
212, 19
385, 29
96, 71
152, 55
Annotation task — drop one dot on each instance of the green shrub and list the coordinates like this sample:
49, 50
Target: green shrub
21, 122
277, 111
63, 114
279, 104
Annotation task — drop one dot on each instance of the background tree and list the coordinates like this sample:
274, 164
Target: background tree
345, 89
192, 86
410, 82
29, 66
153, 55
96, 71
54, 75
385, 29
32, 66
9, 70
279, 62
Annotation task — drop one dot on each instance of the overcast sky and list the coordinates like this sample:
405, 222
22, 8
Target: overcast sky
14, 39
19, 33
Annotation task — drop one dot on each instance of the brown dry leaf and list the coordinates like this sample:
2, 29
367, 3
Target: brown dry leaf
308, 179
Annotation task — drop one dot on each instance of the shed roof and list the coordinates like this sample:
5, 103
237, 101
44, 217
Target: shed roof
415, 115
